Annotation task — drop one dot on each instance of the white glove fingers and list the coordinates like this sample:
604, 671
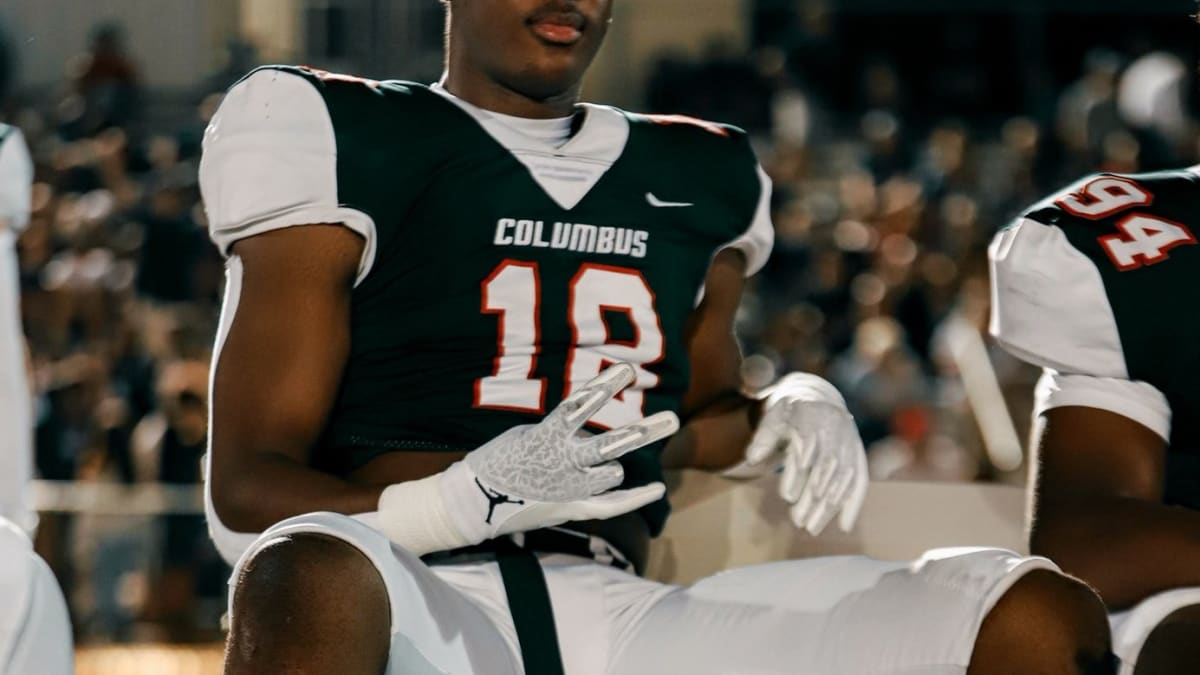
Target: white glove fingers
656, 427
650, 430
613, 444
806, 449
772, 429
588, 402
823, 475
859, 482
609, 445
820, 516
591, 397
823, 506
605, 477
839, 487
763, 446
800, 510
794, 479
612, 504
830, 504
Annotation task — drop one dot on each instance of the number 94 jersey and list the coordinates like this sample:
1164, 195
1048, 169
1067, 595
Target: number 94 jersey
500, 270
1100, 284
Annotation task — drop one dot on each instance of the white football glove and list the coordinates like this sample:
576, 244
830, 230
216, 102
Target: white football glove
806, 429
528, 477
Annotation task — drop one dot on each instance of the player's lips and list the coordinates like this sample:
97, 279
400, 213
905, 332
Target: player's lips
558, 28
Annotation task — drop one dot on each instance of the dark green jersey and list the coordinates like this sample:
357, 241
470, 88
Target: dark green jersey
1103, 281
500, 271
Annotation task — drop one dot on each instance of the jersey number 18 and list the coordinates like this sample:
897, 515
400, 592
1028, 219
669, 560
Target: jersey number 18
513, 292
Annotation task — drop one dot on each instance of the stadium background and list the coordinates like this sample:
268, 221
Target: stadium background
900, 136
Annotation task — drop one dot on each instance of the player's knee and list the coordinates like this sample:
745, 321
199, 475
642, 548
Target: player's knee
1173, 646
294, 589
299, 575
1051, 623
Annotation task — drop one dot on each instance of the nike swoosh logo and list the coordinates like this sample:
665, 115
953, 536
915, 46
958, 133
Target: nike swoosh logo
660, 204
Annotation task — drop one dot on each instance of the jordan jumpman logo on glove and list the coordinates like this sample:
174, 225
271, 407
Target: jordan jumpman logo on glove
495, 499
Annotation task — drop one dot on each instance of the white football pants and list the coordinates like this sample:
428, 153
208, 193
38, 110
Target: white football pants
843, 615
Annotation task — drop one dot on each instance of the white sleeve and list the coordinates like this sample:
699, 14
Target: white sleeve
16, 181
16, 420
270, 162
1049, 305
1139, 401
756, 242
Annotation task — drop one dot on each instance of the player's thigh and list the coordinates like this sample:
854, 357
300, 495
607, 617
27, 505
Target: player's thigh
435, 627
1173, 646
1136, 631
827, 616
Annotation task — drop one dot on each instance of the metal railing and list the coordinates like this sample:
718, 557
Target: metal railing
117, 499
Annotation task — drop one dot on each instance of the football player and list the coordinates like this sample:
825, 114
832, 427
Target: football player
35, 632
1096, 284
461, 322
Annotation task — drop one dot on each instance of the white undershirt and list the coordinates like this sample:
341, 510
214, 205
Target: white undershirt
553, 132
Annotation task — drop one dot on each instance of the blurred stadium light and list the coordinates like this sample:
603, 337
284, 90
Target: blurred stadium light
970, 354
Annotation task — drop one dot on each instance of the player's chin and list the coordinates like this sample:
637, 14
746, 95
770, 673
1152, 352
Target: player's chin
551, 69
548, 78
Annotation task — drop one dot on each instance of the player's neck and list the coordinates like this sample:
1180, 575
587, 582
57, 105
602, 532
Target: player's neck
483, 92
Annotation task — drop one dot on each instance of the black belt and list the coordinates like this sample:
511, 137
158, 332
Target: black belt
550, 540
525, 584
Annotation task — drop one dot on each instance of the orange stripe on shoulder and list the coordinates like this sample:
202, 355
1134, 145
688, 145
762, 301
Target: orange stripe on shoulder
339, 77
684, 119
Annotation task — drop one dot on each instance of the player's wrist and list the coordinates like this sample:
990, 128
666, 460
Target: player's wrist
464, 495
416, 515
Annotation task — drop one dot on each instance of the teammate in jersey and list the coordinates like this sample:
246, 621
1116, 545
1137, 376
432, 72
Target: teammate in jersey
428, 290
35, 632
1098, 285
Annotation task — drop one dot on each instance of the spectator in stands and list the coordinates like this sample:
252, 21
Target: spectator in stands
914, 451
169, 445
107, 81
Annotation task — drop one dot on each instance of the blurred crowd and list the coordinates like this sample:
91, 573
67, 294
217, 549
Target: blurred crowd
120, 293
889, 184
878, 281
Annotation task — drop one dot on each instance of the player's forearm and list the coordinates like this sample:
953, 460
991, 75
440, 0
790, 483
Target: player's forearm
266, 488
1128, 549
714, 438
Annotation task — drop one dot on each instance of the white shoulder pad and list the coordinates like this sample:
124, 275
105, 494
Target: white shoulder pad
16, 181
1049, 306
270, 162
1139, 401
758, 239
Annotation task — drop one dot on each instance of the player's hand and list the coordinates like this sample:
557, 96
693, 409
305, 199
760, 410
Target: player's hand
549, 473
806, 429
